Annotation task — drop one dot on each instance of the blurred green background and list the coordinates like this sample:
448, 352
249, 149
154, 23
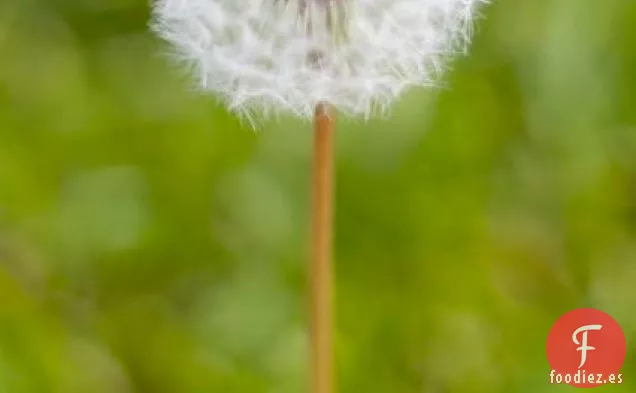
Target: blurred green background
151, 243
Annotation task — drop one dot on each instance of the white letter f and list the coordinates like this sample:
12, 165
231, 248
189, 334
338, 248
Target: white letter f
584, 347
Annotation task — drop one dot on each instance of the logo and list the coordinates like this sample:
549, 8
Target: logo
586, 348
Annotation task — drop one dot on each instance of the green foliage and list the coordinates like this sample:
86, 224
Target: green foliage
150, 243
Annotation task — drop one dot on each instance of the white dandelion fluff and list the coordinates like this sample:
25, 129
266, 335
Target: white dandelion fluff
266, 57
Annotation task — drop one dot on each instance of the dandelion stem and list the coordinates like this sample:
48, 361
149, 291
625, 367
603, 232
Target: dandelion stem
321, 263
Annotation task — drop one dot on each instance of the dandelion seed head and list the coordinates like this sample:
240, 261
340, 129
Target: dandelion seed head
267, 57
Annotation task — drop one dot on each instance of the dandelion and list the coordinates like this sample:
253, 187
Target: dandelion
265, 57
308, 58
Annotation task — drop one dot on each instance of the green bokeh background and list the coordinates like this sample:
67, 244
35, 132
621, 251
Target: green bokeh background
151, 243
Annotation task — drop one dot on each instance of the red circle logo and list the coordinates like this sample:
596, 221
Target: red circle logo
586, 348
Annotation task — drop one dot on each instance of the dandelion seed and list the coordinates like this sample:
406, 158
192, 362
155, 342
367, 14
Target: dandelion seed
266, 57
